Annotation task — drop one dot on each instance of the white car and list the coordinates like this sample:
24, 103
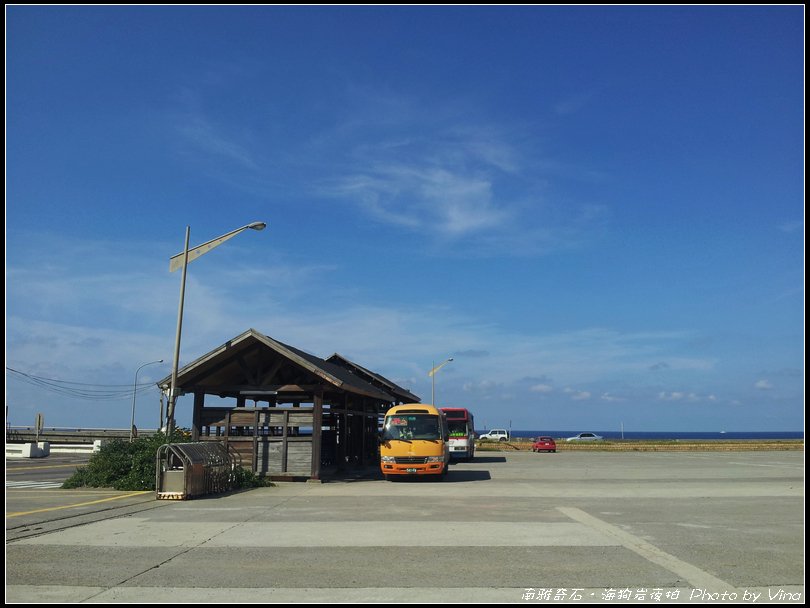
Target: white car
586, 437
495, 435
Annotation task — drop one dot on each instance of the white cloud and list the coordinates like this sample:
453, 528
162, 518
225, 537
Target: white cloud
458, 183
763, 385
577, 395
450, 201
690, 397
480, 386
143, 301
104, 326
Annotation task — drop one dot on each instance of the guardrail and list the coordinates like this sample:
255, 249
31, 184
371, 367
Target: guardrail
41, 449
28, 434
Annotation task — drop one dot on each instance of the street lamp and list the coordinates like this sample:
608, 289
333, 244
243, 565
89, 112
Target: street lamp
135, 392
432, 374
181, 260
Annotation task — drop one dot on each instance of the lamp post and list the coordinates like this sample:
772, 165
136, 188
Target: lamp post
134, 393
181, 260
432, 374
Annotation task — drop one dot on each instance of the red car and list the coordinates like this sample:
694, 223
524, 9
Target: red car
544, 444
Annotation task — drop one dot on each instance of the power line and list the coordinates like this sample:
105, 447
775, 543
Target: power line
80, 390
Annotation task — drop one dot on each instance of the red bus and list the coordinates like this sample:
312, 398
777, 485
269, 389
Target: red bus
462, 432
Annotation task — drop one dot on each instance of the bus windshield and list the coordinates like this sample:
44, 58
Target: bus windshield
457, 429
407, 427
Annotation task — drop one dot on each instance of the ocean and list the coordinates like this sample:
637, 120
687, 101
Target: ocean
666, 435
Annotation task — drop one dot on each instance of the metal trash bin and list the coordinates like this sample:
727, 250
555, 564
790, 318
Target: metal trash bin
185, 470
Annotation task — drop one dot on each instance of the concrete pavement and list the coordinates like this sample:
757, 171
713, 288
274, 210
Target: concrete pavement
510, 527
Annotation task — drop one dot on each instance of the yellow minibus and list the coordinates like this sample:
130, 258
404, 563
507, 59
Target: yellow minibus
414, 441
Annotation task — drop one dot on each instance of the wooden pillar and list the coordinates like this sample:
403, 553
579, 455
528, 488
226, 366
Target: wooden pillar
344, 432
285, 445
255, 440
363, 433
196, 415
317, 422
368, 438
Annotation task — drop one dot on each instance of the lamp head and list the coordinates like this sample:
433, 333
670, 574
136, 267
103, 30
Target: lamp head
257, 226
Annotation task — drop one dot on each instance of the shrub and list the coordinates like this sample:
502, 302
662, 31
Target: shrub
245, 478
126, 466
122, 465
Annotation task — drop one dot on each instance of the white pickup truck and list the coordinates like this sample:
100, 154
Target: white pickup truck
495, 435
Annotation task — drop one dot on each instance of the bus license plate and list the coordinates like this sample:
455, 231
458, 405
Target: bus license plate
410, 470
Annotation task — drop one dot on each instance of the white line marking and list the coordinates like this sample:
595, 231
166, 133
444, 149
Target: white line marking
39, 485
692, 574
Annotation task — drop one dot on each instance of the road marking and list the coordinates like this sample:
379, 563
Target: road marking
79, 504
698, 578
34, 484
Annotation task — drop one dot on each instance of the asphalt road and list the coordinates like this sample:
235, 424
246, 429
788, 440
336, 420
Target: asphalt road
35, 502
512, 527
48, 472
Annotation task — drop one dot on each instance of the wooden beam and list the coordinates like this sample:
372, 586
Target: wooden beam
271, 373
249, 376
235, 390
207, 369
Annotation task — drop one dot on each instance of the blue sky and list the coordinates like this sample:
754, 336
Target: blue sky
598, 212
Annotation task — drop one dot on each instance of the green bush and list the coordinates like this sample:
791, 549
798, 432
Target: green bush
245, 478
122, 465
126, 466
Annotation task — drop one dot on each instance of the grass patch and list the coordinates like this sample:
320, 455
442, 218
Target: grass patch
643, 445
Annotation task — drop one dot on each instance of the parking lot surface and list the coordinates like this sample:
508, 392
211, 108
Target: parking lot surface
509, 527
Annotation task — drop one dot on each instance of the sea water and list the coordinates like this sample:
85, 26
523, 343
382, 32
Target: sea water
665, 435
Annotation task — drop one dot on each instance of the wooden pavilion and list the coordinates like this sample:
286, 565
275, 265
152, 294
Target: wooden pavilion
307, 414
